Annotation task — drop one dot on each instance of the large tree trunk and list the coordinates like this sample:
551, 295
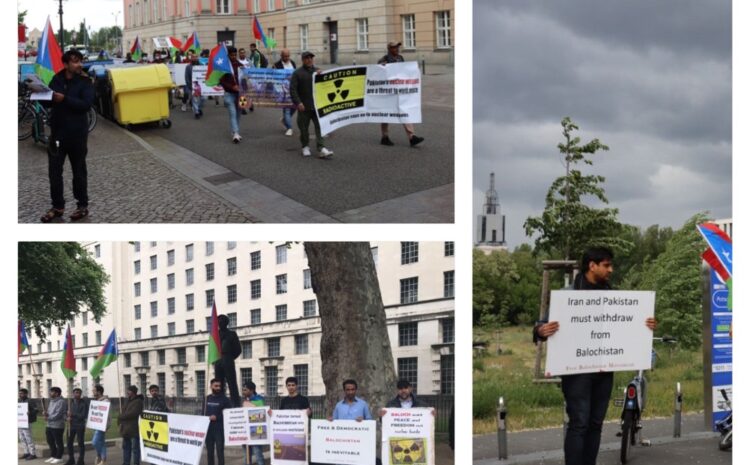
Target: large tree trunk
354, 343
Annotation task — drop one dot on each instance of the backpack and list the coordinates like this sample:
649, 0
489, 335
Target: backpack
263, 60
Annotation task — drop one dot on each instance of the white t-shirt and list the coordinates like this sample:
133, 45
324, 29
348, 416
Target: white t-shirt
287, 65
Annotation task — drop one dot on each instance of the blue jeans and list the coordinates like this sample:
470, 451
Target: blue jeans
257, 451
587, 398
230, 101
197, 103
99, 445
288, 112
131, 445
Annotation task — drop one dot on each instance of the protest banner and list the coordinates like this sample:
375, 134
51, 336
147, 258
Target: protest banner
368, 94
599, 331
345, 442
408, 436
98, 414
177, 71
172, 439
236, 430
257, 420
23, 415
199, 77
268, 87
289, 437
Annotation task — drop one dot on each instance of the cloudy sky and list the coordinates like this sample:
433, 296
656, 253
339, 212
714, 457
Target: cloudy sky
650, 79
98, 13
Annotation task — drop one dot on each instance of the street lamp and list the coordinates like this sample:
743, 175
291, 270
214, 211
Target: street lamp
116, 14
62, 31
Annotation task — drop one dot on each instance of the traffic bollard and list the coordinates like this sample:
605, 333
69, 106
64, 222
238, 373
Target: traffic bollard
677, 412
424, 68
502, 432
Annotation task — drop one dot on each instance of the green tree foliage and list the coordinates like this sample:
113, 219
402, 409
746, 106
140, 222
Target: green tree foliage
22, 16
675, 275
567, 226
647, 245
56, 281
494, 277
524, 300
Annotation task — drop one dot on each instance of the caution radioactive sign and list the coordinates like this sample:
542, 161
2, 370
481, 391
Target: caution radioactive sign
408, 451
154, 430
340, 90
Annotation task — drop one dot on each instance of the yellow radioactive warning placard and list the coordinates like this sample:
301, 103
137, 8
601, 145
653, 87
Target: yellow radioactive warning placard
339, 90
154, 430
410, 451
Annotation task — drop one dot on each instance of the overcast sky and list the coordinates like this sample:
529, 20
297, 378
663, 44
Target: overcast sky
650, 79
98, 13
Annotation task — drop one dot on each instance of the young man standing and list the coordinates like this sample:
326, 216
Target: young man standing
57, 412
157, 403
251, 398
351, 407
128, 421
77, 415
98, 440
295, 400
394, 57
231, 84
25, 433
301, 89
216, 403
286, 113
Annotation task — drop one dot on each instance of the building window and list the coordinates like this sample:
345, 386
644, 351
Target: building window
209, 249
153, 262
85, 342
409, 252
200, 383
409, 290
186, 8
49, 346
447, 374
154, 309
449, 332
137, 289
231, 266
154, 285
131, 17
152, 244
256, 6
179, 384
272, 381
161, 354
255, 289
273, 346
246, 375
300, 372
144, 359
189, 277
181, 355
162, 382
189, 253
171, 331
125, 379
223, 7
208, 324
98, 337
137, 334
209, 272
154, 331
247, 349
255, 260
410, 31
443, 27
85, 363
408, 334
281, 312
137, 267
189, 302
209, 297
449, 249
155, 6
146, 11
255, 316
281, 284
407, 369
200, 353
170, 257
448, 283
270, 5
280, 254
309, 308
374, 252
170, 281
231, 245
362, 31
190, 326
128, 360
232, 320
306, 279
232, 294
303, 42
300, 344
164, 9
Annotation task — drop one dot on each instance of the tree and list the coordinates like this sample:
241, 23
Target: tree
647, 245
494, 278
567, 226
22, 16
526, 293
354, 342
57, 281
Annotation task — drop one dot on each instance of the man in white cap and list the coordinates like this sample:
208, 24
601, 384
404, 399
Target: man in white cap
394, 57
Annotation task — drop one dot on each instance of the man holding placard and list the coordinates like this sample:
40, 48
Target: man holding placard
25, 433
587, 394
251, 398
351, 407
98, 441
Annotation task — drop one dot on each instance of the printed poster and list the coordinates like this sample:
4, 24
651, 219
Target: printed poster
257, 420
408, 436
23, 415
98, 414
268, 87
246, 426
199, 78
345, 442
289, 437
171, 438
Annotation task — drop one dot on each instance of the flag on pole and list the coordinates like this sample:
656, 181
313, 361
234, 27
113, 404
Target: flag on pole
107, 355
192, 44
49, 60
136, 53
23, 341
218, 66
260, 35
174, 47
719, 243
214, 343
68, 362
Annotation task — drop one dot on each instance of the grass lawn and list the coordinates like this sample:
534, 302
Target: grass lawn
530, 406
39, 426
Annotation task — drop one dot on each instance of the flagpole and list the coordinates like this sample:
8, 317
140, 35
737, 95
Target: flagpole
117, 362
33, 372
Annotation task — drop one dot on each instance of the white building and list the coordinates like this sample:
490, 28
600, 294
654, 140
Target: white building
159, 301
491, 223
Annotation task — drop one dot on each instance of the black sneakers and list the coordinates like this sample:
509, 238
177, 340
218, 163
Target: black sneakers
415, 140
386, 141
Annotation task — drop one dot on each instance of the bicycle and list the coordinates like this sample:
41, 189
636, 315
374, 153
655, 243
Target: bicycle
633, 405
33, 119
724, 426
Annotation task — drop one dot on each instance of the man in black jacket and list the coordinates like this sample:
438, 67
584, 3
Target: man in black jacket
157, 402
25, 433
77, 415
301, 89
394, 57
224, 369
73, 95
587, 395
216, 403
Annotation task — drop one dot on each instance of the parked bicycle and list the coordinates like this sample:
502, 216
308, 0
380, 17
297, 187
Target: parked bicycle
633, 404
33, 118
724, 426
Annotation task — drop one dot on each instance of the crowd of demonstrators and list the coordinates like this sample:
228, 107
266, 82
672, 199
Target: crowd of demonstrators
98, 441
128, 422
24, 434
250, 398
301, 88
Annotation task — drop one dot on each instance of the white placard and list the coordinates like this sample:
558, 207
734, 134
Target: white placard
171, 438
23, 415
258, 427
346, 442
177, 71
98, 415
408, 432
246, 426
289, 437
199, 76
599, 331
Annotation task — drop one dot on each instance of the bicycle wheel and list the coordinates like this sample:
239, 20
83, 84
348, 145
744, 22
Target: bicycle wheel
725, 443
92, 119
628, 435
25, 123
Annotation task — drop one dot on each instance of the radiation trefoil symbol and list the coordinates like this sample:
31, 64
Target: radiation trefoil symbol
151, 433
343, 93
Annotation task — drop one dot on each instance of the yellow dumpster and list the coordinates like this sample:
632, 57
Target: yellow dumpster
140, 94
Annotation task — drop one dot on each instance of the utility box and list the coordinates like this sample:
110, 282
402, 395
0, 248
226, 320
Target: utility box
140, 94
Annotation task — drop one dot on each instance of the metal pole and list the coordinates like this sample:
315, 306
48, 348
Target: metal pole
677, 412
62, 31
502, 432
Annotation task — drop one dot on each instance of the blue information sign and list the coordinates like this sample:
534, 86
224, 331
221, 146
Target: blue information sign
721, 345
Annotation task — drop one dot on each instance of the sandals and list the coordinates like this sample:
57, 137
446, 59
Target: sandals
79, 214
51, 214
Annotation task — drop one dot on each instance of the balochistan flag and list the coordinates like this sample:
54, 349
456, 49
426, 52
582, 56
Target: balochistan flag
719, 243
174, 47
49, 60
214, 343
107, 355
192, 44
68, 362
23, 341
218, 66
260, 35
136, 53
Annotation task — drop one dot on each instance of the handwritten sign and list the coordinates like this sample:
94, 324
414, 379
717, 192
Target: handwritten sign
408, 436
346, 442
98, 415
